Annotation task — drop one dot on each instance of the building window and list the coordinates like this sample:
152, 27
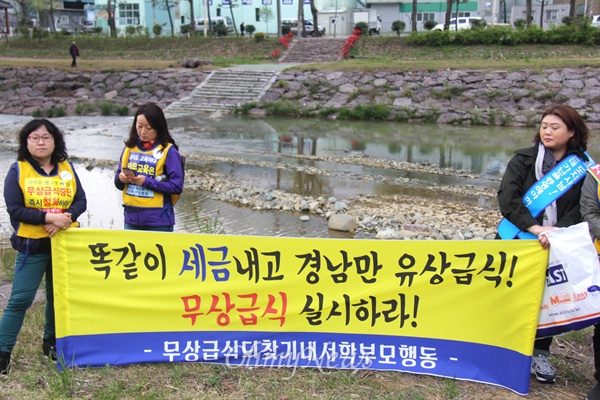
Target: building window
551, 15
129, 14
524, 14
461, 14
257, 14
425, 17
218, 12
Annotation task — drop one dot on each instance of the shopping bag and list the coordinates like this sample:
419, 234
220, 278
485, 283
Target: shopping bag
571, 299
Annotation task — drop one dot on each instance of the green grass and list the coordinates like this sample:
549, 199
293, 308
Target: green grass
386, 53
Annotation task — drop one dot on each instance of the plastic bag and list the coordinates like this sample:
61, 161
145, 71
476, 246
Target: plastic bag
571, 299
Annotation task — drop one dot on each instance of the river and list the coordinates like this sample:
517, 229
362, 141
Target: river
328, 158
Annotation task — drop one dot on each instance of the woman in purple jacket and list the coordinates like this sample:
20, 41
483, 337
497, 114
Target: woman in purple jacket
150, 172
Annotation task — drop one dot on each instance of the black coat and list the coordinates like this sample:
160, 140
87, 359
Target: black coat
519, 177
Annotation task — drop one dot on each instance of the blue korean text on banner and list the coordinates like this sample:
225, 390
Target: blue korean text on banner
547, 190
464, 310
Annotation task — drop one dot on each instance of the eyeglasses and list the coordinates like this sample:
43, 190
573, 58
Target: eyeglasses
45, 139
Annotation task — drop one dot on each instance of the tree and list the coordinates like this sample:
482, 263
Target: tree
543, 3
192, 14
429, 24
111, 9
279, 27
398, 26
413, 16
167, 5
24, 10
572, 8
300, 30
456, 19
313, 11
45, 9
528, 17
231, 6
266, 13
448, 15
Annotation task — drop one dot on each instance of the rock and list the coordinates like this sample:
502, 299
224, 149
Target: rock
193, 62
304, 218
340, 206
342, 222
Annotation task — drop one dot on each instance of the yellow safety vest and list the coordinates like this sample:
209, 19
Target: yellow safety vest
51, 194
148, 163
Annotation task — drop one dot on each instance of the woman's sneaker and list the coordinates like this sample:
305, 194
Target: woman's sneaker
542, 369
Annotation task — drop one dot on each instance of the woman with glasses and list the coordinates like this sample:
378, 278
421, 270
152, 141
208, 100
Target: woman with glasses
150, 172
43, 195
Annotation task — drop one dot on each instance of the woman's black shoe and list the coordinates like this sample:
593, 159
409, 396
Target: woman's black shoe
49, 348
4, 362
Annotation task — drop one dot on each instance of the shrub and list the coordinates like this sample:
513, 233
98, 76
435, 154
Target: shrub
23, 30
398, 26
363, 27
520, 23
106, 108
187, 28
157, 30
60, 111
220, 30
250, 29
429, 24
123, 111
285, 29
350, 42
130, 30
478, 24
259, 36
371, 112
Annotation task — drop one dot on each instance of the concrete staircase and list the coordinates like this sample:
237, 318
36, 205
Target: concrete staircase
313, 50
223, 90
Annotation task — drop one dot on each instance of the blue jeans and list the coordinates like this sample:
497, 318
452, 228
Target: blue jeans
26, 282
167, 228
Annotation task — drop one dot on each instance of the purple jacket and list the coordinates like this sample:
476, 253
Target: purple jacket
172, 184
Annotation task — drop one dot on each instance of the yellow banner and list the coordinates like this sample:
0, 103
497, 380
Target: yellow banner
423, 297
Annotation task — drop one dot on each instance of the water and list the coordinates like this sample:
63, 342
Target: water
292, 155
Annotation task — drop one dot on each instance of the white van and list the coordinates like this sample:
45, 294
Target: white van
463, 23
308, 25
214, 21
596, 21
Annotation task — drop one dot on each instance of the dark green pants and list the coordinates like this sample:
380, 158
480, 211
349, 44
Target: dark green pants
26, 282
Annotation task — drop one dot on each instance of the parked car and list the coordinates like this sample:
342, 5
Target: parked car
214, 21
88, 26
463, 23
596, 21
308, 25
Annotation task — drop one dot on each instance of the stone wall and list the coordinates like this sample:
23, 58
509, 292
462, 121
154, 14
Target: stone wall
25, 90
449, 97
